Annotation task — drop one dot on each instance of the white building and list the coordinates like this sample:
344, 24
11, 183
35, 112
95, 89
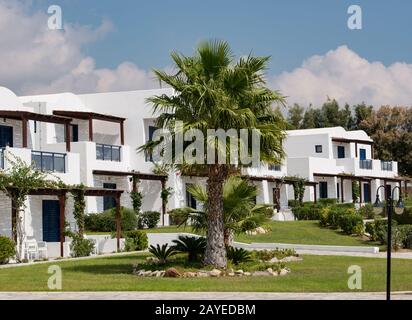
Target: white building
93, 139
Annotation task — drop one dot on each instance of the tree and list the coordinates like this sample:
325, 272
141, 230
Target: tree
295, 116
362, 112
240, 213
330, 114
214, 91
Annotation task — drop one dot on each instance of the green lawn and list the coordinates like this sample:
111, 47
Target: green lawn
299, 232
313, 274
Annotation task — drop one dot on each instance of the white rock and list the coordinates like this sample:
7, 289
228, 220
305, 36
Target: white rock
247, 274
215, 273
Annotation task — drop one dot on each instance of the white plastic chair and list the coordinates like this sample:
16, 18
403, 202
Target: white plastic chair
42, 249
31, 250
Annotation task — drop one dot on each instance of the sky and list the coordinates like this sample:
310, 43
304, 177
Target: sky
108, 45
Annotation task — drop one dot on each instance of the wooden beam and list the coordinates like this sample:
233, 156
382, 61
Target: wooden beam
62, 203
118, 222
315, 193
121, 133
90, 128
356, 149
134, 184
24, 132
67, 129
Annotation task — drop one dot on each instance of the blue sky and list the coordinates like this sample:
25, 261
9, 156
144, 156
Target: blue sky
290, 31
109, 45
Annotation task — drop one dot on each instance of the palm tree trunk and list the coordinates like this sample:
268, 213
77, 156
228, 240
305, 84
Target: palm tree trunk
215, 253
228, 235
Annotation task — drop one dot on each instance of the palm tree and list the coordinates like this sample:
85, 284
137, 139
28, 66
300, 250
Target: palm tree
214, 91
240, 213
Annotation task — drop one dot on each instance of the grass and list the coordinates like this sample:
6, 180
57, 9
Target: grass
313, 274
295, 232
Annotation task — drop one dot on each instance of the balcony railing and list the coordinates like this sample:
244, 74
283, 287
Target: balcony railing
49, 161
386, 165
365, 164
107, 152
274, 167
2, 158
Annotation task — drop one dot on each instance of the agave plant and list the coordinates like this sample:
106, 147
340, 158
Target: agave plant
193, 246
162, 253
238, 255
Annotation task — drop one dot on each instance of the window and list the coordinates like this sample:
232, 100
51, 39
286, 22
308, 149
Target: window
341, 152
318, 148
190, 200
362, 153
107, 152
148, 156
275, 167
49, 161
74, 132
109, 202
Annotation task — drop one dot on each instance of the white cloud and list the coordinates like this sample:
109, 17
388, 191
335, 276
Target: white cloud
344, 75
35, 59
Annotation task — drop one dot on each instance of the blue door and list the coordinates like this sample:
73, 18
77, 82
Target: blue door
362, 154
6, 136
341, 152
366, 193
323, 190
51, 221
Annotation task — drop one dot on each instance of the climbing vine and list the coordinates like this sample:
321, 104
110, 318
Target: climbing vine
355, 191
299, 186
78, 193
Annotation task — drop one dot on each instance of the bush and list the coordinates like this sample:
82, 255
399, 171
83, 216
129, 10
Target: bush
238, 255
293, 203
309, 211
327, 202
106, 221
346, 205
407, 232
175, 218
150, 218
267, 255
81, 247
193, 246
7, 249
136, 240
367, 211
405, 217
351, 223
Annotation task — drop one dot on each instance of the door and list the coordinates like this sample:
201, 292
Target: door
276, 198
388, 191
6, 136
338, 191
362, 154
75, 132
341, 152
51, 220
366, 193
109, 202
323, 189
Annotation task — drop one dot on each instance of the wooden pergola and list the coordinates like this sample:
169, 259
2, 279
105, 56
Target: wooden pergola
90, 116
25, 116
360, 179
61, 194
138, 176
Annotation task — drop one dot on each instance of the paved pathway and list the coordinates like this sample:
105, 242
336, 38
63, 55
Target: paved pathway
201, 296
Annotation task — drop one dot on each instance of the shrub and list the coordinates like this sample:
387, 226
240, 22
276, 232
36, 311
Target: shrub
405, 217
351, 223
162, 253
193, 246
175, 218
293, 203
106, 221
309, 211
136, 240
81, 247
267, 255
370, 229
407, 231
346, 205
367, 211
150, 218
334, 215
327, 202
238, 255
7, 249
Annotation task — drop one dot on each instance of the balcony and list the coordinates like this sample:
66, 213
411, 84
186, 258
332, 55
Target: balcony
365, 164
275, 167
386, 165
108, 152
49, 161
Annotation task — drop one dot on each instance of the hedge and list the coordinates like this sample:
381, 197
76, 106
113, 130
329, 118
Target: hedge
106, 220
